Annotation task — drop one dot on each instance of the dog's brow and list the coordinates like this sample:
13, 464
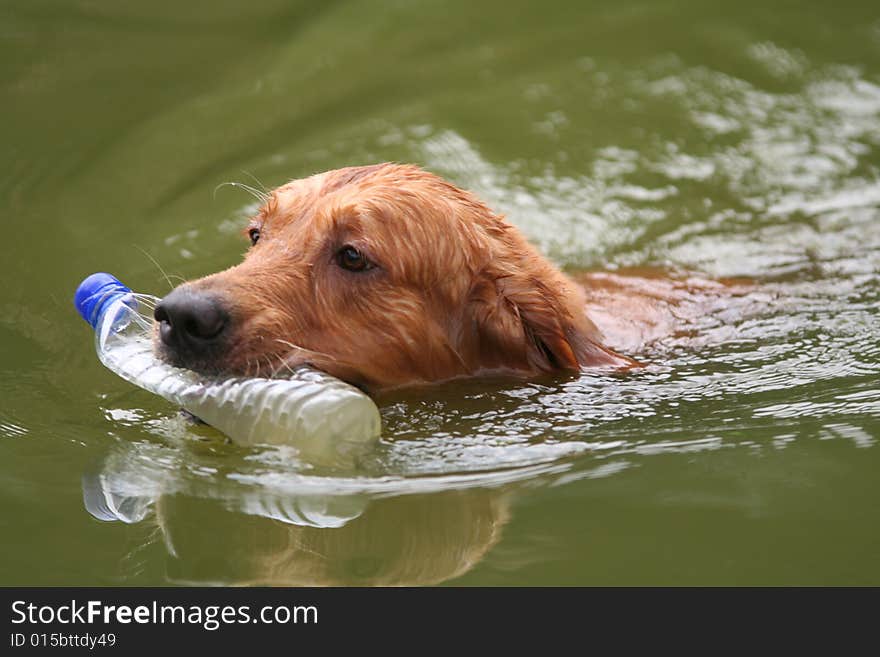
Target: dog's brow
257, 220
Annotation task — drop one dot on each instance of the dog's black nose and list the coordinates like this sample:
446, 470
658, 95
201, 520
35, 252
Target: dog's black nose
190, 322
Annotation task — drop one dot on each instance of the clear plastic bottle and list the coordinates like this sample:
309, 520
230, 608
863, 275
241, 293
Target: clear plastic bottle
327, 420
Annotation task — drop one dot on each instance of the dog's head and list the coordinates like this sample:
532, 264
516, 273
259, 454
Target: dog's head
380, 275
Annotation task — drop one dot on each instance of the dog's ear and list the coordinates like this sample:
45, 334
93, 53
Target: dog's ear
544, 323
522, 322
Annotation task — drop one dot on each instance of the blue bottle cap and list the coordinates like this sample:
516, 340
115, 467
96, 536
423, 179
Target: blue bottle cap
94, 292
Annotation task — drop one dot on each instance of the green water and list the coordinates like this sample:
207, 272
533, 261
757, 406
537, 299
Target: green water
728, 138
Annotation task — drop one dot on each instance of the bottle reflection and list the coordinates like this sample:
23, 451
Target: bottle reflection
254, 536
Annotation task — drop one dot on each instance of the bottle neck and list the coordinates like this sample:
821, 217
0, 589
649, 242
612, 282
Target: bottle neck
103, 303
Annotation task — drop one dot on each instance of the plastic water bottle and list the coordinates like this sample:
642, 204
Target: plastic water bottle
327, 420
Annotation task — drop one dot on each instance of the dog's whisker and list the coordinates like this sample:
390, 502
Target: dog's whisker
270, 370
263, 187
144, 299
327, 357
282, 364
158, 266
261, 196
303, 349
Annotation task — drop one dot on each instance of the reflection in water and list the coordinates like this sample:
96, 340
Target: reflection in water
264, 537
404, 540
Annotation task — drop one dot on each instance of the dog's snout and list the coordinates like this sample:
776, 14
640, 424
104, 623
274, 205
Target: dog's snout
190, 322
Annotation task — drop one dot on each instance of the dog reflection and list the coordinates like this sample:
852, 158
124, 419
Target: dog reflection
262, 539
407, 540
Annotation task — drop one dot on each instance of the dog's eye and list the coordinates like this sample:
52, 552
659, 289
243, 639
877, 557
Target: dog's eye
254, 234
353, 260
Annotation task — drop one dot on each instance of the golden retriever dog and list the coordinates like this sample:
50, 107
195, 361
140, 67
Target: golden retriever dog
387, 275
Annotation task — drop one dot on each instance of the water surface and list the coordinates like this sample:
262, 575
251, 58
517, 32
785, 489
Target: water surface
738, 141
